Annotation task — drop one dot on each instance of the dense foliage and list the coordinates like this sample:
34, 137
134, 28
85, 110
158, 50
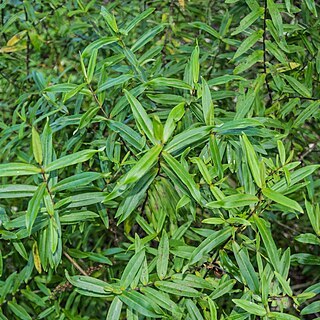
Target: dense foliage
159, 159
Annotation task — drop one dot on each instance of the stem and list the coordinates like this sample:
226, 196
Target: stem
265, 51
75, 264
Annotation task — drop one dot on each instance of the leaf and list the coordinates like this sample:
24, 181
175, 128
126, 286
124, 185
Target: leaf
248, 43
77, 180
36, 257
19, 311
169, 82
207, 104
16, 191
132, 269
92, 65
36, 146
312, 308
253, 161
206, 28
308, 238
305, 259
298, 86
248, 20
234, 201
183, 175
215, 156
250, 307
89, 284
142, 166
284, 284
112, 82
18, 169
211, 242
281, 199
268, 242
187, 138
127, 134
177, 289
111, 21
193, 310
114, 311
282, 316
195, 67
163, 256
69, 160
137, 19
138, 302
246, 269
101, 42
275, 17
147, 37
34, 206
87, 117
175, 115
141, 116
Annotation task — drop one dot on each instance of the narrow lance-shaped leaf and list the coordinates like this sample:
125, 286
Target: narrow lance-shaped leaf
132, 269
250, 307
69, 160
111, 21
209, 244
246, 268
253, 161
18, 169
248, 43
36, 146
163, 256
281, 199
174, 116
184, 176
268, 242
141, 117
207, 104
234, 201
34, 206
114, 311
195, 66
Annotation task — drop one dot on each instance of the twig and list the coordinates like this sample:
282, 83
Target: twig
74, 263
265, 51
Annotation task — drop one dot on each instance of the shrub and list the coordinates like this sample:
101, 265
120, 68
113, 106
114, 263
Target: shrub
169, 169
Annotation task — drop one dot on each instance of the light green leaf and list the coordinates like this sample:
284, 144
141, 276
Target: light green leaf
141, 117
298, 86
114, 311
19, 311
132, 269
253, 161
69, 160
281, 199
246, 268
211, 242
163, 256
248, 43
36, 146
268, 242
248, 20
175, 115
111, 21
234, 201
18, 169
250, 307
183, 175
34, 206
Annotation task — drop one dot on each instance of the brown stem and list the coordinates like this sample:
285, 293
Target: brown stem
74, 263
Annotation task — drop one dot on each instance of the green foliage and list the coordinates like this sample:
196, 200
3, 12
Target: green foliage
159, 159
